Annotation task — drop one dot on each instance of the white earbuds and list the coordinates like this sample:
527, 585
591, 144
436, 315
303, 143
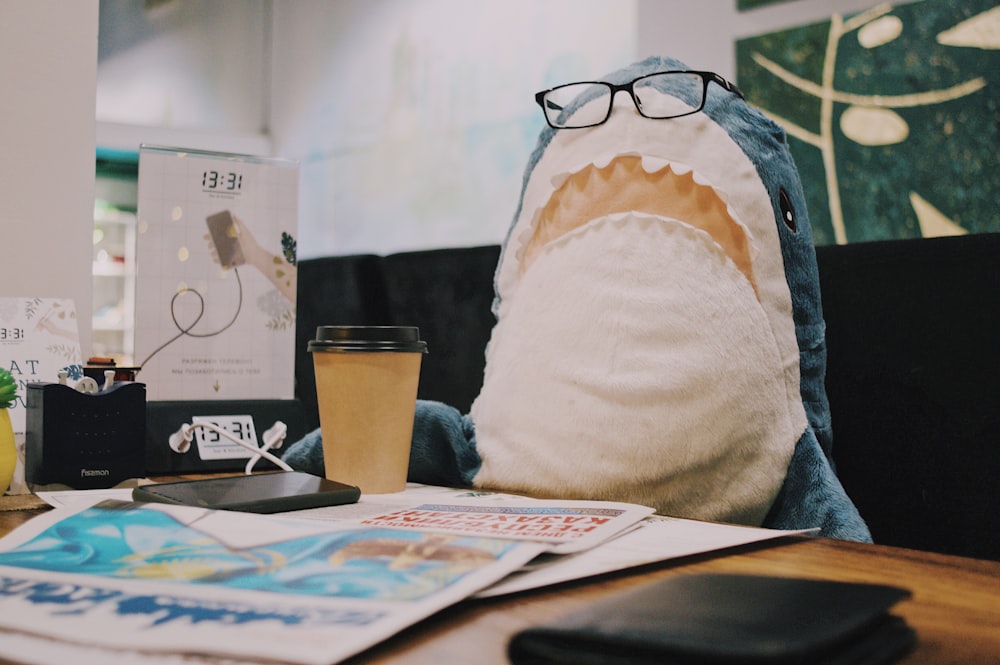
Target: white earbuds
87, 385
180, 442
273, 437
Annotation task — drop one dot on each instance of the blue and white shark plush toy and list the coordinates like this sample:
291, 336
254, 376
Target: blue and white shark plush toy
659, 335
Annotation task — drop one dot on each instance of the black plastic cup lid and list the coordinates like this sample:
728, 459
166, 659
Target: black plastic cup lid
340, 339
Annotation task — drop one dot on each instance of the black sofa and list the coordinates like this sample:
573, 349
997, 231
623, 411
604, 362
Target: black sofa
913, 376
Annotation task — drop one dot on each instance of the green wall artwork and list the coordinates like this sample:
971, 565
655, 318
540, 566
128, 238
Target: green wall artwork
892, 116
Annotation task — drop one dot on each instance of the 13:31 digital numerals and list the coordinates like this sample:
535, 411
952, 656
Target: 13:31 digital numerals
218, 181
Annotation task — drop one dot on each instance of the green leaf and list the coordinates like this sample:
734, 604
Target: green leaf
8, 389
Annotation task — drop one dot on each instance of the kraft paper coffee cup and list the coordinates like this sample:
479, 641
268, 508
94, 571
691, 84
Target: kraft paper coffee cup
366, 388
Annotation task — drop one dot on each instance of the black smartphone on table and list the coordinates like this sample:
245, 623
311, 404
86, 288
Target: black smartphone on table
275, 492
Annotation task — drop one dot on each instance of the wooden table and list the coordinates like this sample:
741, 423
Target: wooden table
955, 607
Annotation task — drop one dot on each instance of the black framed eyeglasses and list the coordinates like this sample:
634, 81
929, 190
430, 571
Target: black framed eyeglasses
567, 106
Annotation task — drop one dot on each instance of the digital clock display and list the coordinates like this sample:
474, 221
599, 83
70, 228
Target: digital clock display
214, 446
221, 181
8, 334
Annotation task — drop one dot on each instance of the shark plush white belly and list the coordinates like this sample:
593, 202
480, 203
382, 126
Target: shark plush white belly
659, 333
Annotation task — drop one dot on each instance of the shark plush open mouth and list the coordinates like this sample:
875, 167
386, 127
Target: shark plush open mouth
632, 183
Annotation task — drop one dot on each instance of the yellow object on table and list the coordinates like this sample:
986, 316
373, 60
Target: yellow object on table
8, 451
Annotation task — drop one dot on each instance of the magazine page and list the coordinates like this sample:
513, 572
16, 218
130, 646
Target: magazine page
152, 580
566, 526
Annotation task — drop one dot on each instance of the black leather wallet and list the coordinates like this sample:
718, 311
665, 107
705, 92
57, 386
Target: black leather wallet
725, 619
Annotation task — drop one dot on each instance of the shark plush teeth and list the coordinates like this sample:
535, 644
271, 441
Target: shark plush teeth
659, 334
635, 182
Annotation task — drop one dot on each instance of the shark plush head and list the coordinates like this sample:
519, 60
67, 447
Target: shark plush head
659, 334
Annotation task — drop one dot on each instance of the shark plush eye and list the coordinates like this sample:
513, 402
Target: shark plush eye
787, 211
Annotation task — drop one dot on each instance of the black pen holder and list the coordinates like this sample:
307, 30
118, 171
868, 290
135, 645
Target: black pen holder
84, 440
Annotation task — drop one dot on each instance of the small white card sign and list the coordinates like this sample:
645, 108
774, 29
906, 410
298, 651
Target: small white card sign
215, 275
38, 338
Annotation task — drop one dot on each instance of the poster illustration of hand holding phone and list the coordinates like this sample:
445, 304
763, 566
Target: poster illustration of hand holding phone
215, 275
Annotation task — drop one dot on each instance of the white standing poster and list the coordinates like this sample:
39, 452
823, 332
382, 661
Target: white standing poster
39, 337
215, 275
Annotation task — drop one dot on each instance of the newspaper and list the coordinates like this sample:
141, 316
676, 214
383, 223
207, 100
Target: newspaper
155, 580
125, 581
565, 526
654, 538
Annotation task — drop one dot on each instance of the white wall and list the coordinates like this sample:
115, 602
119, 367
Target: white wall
185, 73
413, 120
48, 65
184, 64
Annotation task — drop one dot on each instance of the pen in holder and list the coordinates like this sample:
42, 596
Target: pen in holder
87, 437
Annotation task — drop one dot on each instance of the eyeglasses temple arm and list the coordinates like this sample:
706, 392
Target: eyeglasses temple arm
546, 103
731, 87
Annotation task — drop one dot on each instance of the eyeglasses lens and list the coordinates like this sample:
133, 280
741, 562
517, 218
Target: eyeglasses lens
576, 95
686, 94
